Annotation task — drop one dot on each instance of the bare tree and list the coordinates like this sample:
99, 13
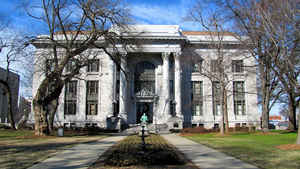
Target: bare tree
220, 71
276, 24
13, 52
74, 28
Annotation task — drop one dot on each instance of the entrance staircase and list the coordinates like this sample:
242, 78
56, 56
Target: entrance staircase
152, 128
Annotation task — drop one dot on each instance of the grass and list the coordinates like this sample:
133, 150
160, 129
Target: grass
128, 153
21, 149
257, 148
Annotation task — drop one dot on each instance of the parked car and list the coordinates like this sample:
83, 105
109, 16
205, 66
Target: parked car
271, 126
283, 125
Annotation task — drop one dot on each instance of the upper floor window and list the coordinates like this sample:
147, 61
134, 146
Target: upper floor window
70, 98
70, 66
237, 66
214, 65
197, 98
144, 77
93, 65
92, 98
216, 92
92, 88
197, 66
239, 98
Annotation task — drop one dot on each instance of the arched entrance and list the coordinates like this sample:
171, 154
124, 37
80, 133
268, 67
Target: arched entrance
144, 88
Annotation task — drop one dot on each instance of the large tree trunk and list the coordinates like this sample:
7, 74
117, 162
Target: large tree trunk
265, 80
42, 100
52, 111
298, 137
265, 117
41, 119
292, 113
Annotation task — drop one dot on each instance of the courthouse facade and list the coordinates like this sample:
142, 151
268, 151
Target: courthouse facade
165, 76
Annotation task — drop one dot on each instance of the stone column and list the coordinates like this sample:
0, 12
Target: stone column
177, 79
123, 89
166, 84
109, 87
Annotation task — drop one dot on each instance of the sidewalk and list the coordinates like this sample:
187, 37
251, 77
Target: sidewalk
204, 157
78, 157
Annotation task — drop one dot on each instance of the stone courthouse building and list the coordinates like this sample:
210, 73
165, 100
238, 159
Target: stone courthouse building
164, 80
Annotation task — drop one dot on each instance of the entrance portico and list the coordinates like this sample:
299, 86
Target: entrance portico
147, 87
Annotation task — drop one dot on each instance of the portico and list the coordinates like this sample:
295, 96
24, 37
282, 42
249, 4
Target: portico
146, 86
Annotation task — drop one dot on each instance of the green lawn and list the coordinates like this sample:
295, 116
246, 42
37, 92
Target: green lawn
20, 149
255, 148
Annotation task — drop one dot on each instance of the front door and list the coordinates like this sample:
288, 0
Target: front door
144, 107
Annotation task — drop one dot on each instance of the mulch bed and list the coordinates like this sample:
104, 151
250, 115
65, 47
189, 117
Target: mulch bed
289, 147
128, 154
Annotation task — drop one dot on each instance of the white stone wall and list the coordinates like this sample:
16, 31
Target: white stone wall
152, 52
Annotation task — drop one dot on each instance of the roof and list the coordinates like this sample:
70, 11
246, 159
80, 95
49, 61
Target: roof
186, 33
275, 118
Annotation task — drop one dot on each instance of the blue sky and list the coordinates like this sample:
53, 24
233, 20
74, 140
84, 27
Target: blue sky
160, 12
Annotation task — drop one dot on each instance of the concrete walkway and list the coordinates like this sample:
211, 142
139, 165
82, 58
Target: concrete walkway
204, 157
78, 157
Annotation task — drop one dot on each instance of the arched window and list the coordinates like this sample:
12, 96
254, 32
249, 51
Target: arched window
144, 79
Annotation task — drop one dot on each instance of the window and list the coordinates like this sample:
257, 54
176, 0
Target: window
197, 98
239, 98
214, 66
144, 79
197, 66
237, 66
70, 66
93, 65
70, 98
216, 91
92, 98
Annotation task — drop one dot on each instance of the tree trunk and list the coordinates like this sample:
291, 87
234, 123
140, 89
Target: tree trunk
298, 137
265, 80
225, 112
222, 110
292, 113
52, 110
265, 118
9, 108
41, 119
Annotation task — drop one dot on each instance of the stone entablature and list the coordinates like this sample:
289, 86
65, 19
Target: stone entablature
170, 50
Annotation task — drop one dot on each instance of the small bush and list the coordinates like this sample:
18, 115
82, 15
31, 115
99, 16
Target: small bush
199, 130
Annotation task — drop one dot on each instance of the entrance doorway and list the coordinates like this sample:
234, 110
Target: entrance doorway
144, 107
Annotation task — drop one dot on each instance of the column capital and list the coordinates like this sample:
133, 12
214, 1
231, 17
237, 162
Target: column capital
123, 53
165, 55
177, 54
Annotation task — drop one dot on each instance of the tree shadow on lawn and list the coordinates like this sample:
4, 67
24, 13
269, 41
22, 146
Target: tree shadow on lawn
23, 156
